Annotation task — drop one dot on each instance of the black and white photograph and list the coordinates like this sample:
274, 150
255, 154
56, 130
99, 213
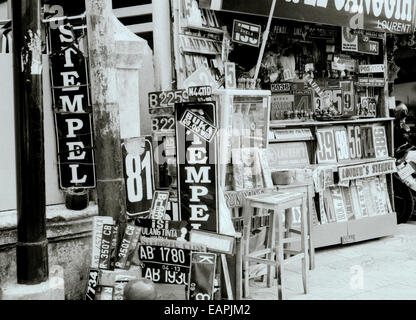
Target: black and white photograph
235, 151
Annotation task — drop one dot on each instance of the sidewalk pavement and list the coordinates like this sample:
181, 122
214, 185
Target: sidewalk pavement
380, 269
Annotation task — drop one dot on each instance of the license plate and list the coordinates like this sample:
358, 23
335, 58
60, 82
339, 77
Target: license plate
163, 123
166, 99
92, 284
164, 255
163, 273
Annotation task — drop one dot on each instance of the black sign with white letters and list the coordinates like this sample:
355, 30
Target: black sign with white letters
76, 162
197, 169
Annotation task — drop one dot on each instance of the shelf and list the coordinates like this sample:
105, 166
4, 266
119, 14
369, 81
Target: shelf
281, 124
242, 92
329, 234
205, 29
201, 52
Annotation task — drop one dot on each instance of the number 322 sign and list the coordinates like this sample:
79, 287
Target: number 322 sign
138, 174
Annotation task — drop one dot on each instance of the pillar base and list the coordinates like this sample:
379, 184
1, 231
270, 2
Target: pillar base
52, 289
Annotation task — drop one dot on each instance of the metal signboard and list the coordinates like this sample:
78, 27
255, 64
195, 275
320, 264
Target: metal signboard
197, 168
76, 162
246, 33
202, 274
138, 174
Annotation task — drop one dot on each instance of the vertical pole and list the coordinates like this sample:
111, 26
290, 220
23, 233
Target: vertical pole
32, 244
162, 44
265, 38
102, 54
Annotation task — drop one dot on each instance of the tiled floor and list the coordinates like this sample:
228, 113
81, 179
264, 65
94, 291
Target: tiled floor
381, 269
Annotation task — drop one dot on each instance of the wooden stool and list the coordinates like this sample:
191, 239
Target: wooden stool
279, 204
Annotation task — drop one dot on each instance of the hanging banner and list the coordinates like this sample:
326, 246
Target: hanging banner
139, 175
197, 168
393, 16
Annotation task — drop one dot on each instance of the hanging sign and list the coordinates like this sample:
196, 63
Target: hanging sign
202, 274
76, 162
371, 68
371, 82
138, 174
367, 170
197, 165
72, 106
394, 16
246, 33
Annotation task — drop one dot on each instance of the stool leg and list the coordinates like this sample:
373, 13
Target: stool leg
288, 225
280, 259
247, 214
310, 226
271, 245
304, 247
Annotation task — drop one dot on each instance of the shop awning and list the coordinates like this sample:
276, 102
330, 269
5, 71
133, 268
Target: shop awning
393, 16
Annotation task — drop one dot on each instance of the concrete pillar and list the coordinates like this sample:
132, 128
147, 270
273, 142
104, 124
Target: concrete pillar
162, 44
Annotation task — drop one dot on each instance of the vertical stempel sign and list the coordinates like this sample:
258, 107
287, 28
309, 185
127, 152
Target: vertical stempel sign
138, 174
72, 107
197, 169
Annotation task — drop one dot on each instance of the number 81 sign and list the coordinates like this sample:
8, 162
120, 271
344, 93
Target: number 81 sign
138, 174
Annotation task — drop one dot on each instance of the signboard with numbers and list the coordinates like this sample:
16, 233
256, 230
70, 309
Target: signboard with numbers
380, 142
368, 107
303, 100
336, 98
92, 284
230, 78
341, 141
348, 98
201, 277
326, 148
164, 265
197, 168
246, 33
162, 123
138, 174
367, 141
354, 142
167, 99
199, 93
105, 250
